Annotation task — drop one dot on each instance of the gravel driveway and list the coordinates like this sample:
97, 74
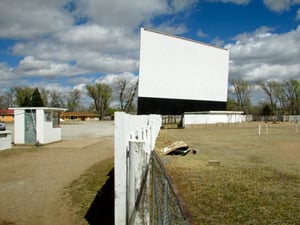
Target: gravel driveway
32, 182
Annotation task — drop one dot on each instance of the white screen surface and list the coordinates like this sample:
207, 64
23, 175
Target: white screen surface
172, 67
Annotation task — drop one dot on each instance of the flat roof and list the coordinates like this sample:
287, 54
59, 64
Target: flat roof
216, 112
42, 108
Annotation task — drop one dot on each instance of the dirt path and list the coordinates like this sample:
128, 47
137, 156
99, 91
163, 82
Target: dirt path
32, 183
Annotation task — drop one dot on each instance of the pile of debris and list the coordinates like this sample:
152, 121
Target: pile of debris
181, 148
177, 148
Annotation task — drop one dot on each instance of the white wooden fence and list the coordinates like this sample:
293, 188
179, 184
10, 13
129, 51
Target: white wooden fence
135, 138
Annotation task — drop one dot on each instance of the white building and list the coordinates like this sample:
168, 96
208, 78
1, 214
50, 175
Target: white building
179, 75
211, 117
37, 125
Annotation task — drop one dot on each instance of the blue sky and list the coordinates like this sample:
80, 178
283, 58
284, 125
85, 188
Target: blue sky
63, 44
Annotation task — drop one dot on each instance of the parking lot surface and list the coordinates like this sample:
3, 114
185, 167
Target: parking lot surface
32, 183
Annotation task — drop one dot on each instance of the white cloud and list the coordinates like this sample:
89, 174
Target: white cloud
168, 27
95, 37
4, 71
200, 33
107, 42
179, 5
80, 87
238, 2
112, 79
32, 67
265, 55
218, 42
278, 5
298, 15
108, 64
274, 71
129, 13
90, 47
28, 19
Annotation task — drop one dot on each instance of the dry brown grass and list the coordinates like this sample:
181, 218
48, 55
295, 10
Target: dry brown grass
258, 181
83, 190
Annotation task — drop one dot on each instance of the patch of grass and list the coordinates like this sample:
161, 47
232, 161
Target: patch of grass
83, 190
224, 195
258, 181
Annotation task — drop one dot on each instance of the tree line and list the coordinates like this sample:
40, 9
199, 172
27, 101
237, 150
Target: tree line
122, 93
281, 98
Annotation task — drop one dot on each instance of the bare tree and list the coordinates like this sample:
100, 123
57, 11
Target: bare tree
127, 93
45, 95
292, 90
101, 95
73, 100
281, 97
242, 90
2, 102
7, 99
270, 88
56, 99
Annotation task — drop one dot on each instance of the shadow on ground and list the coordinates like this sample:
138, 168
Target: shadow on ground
101, 210
4, 222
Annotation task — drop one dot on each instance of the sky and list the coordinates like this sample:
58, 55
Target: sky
67, 44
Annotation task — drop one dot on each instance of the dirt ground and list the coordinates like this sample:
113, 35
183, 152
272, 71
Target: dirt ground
32, 182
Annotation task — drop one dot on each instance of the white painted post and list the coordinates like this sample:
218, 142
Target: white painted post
131, 129
259, 127
138, 164
121, 140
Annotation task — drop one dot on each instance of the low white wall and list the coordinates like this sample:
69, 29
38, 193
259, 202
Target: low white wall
130, 128
194, 119
19, 126
5, 140
51, 134
291, 118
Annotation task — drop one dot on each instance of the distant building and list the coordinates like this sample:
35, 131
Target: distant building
178, 75
6, 115
83, 116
